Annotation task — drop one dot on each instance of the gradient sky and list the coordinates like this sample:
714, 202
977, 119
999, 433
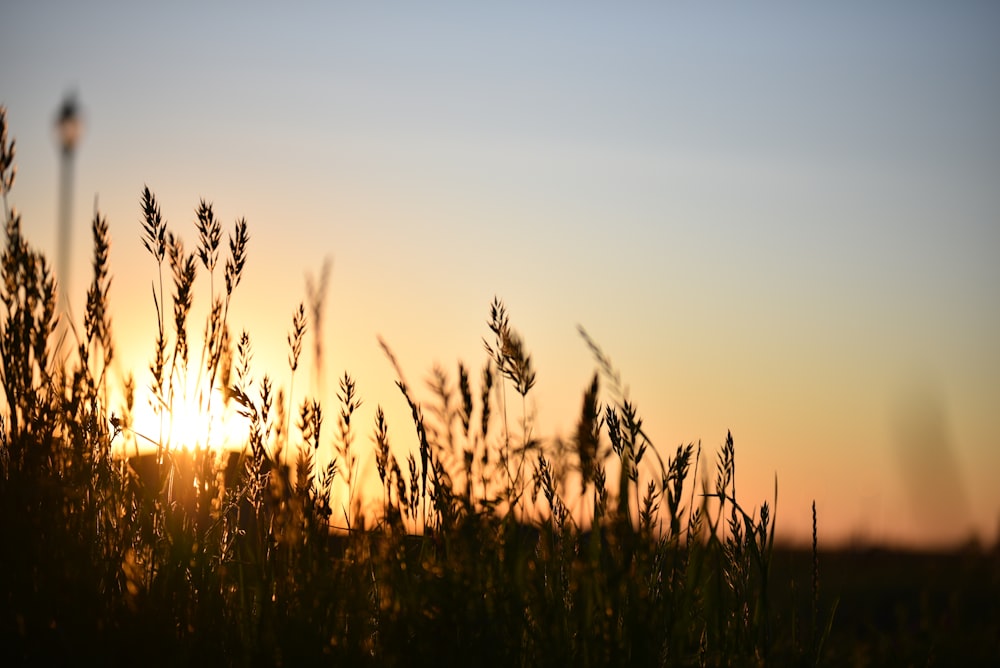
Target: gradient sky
780, 220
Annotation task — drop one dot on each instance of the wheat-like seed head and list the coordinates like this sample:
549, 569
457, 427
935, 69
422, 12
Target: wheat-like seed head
237, 255
153, 227
209, 235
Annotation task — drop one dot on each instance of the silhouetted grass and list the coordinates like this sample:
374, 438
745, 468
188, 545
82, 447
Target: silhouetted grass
492, 545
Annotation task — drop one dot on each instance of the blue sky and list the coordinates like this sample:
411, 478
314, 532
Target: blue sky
781, 220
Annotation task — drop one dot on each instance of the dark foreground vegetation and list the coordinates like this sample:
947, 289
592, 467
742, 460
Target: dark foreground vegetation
902, 608
488, 545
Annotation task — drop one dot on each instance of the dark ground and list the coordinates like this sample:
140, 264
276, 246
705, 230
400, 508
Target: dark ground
896, 608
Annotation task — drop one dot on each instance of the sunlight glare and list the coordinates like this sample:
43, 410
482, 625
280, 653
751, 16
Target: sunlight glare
189, 426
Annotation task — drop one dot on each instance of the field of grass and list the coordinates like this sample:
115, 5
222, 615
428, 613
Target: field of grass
490, 545
907, 608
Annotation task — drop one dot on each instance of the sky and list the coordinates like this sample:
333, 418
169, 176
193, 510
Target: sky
780, 220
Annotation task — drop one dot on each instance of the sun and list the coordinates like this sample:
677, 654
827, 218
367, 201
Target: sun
188, 423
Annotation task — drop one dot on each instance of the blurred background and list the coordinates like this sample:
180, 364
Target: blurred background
779, 220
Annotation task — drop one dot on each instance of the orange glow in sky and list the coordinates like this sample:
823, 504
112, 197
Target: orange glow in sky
780, 222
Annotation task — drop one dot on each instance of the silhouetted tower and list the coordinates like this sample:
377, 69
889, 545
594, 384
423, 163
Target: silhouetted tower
69, 127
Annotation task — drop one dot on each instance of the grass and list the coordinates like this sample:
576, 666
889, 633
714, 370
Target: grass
492, 545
